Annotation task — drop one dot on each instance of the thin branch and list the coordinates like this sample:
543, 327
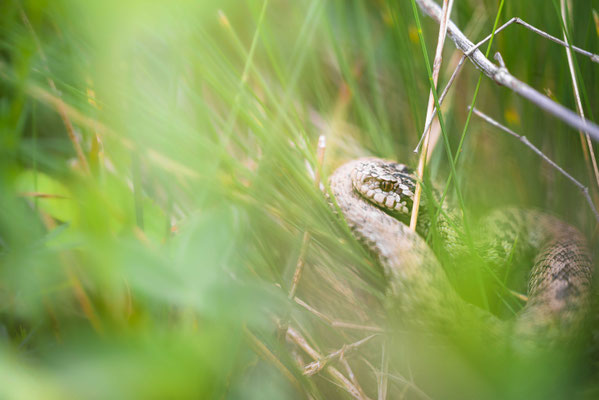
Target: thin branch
502, 77
516, 20
594, 57
523, 139
447, 5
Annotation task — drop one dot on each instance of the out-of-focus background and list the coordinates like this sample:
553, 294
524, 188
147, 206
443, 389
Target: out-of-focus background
157, 163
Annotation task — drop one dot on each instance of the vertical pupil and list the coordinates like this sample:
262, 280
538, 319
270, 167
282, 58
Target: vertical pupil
386, 186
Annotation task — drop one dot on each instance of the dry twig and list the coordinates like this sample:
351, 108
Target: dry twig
502, 76
515, 20
296, 337
320, 363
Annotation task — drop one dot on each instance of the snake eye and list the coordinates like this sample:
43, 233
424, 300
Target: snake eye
387, 186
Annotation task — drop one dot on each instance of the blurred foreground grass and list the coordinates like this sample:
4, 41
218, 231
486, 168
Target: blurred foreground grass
156, 264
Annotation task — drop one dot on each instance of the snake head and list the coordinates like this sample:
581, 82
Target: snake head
387, 184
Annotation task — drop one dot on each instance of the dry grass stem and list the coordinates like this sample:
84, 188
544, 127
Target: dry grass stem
338, 324
351, 375
431, 117
299, 266
410, 385
519, 296
447, 5
320, 363
263, 351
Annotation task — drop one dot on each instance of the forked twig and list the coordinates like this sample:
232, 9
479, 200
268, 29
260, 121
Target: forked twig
320, 363
523, 139
297, 338
515, 20
502, 77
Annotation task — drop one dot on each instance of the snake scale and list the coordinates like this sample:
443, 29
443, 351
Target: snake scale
374, 195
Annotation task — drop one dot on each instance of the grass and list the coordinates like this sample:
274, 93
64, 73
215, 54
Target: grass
163, 270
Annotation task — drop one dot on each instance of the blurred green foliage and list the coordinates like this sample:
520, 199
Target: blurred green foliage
158, 267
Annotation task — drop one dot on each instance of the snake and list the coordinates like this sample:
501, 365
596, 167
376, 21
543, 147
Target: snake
376, 197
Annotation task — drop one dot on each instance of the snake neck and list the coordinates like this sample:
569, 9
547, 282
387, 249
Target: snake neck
442, 226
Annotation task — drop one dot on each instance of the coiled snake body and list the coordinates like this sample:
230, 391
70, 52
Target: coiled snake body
369, 191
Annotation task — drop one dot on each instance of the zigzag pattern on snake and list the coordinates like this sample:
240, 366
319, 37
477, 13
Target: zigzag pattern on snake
374, 195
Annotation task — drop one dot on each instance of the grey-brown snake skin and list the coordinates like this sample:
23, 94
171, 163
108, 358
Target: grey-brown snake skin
559, 283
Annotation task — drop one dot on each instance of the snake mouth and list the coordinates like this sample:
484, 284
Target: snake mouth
371, 190
386, 192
